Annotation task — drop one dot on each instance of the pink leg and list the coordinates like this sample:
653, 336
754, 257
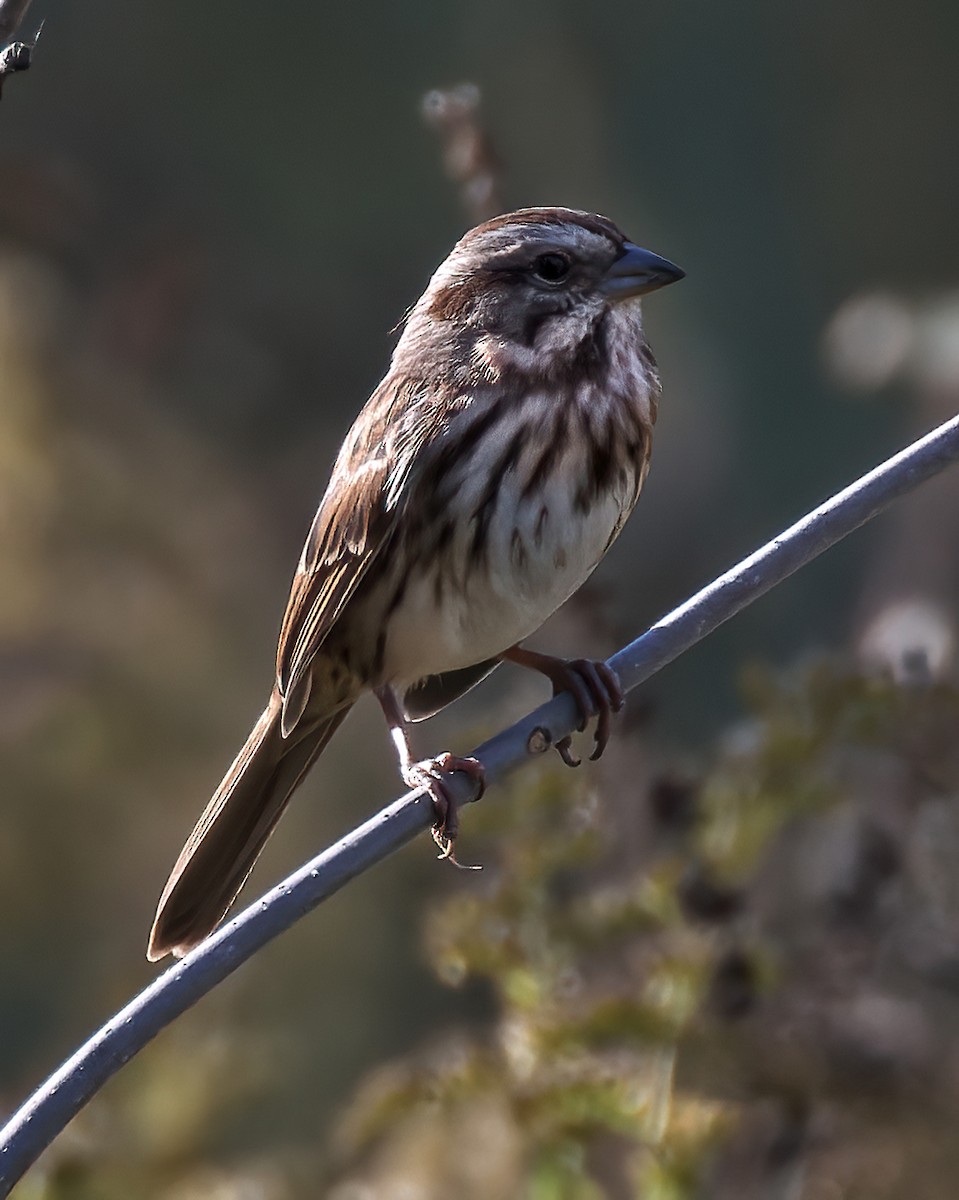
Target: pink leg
593, 685
428, 775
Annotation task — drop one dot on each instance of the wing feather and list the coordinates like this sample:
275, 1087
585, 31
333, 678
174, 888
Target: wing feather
347, 533
356, 519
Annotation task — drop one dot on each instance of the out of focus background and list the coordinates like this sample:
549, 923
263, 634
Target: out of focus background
727, 962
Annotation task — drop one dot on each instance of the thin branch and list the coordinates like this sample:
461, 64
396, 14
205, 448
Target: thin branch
16, 56
49, 1109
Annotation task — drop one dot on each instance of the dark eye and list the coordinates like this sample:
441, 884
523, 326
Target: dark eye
551, 268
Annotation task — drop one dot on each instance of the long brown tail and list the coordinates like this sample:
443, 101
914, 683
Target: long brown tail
234, 828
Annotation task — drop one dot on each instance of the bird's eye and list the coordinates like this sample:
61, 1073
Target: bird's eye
551, 268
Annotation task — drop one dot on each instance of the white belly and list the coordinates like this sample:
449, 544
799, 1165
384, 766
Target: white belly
539, 552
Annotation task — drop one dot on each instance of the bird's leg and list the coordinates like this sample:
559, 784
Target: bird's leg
593, 685
429, 773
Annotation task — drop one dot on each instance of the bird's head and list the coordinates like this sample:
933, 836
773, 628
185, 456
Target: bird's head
530, 290
518, 272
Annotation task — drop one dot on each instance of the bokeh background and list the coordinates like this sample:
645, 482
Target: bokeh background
210, 222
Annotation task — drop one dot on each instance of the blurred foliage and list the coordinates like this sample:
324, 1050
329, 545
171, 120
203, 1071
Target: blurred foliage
735, 1005
653, 1012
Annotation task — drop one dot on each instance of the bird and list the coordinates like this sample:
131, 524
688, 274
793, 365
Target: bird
480, 485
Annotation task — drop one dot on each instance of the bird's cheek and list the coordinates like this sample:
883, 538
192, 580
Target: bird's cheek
486, 360
494, 356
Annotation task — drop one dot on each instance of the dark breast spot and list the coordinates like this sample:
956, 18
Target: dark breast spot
444, 538
553, 444
457, 449
590, 361
540, 526
486, 505
602, 462
517, 550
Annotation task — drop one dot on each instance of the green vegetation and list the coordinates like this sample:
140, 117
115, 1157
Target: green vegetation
683, 991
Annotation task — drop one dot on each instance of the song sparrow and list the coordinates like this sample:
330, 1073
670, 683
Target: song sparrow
481, 484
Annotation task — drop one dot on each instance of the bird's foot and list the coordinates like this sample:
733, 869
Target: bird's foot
594, 686
597, 692
430, 775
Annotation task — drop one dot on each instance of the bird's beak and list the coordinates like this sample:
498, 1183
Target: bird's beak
636, 272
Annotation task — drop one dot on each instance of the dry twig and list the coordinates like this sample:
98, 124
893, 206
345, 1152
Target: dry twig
469, 157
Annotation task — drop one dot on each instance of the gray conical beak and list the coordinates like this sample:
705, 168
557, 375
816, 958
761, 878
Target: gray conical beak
636, 272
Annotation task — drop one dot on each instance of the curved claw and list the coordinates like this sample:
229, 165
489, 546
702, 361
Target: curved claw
446, 854
593, 685
606, 678
428, 775
598, 693
564, 747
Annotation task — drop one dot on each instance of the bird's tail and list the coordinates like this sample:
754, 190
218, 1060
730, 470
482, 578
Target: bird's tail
234, 828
